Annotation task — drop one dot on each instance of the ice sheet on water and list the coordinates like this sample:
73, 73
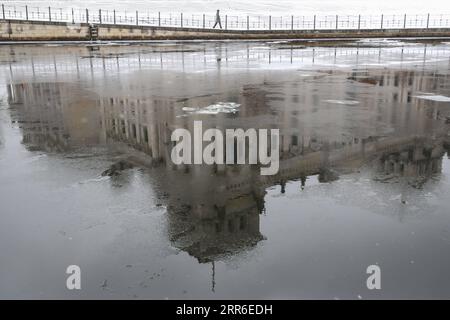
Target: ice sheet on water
93, 180
345, 102
384, 42
439, 98
219, 107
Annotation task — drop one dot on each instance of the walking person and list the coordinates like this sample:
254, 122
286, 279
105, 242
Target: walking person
218, 20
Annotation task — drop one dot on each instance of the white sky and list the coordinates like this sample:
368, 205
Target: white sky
263, 7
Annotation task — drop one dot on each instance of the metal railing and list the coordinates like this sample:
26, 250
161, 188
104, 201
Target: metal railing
229, 22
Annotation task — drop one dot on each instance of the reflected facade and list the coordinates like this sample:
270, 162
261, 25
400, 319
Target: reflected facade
331, 121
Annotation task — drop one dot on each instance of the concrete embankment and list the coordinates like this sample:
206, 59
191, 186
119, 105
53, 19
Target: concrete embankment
19, 30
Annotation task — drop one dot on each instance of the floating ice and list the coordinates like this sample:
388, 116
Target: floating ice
346, 102
219, 107
434, 98
188, 109
383, 42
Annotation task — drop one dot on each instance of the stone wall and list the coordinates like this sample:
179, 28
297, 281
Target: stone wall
17, 30
11, 30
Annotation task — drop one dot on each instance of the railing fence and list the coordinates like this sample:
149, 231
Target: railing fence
229, 22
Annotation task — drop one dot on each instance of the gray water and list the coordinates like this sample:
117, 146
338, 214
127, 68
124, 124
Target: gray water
364, 176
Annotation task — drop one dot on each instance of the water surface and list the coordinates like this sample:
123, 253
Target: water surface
364, 172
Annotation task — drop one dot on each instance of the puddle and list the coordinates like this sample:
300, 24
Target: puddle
357, 185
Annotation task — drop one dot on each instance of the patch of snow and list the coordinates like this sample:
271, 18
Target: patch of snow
219, 107
438, 98
344, 102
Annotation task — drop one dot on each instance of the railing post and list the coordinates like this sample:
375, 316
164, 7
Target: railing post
87, 15
270, 22
159, 19
100, 16
382, 21
203, 21
137, 18
73, 17
181, 19
114, 16
26, 12
314, 23
337, 22
3, 11
226, 22
404, 22
49, 14
292, 23
428, 20
359, 21
248, 23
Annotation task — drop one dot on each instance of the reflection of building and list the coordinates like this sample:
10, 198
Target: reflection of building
208, 231
53, 117
140, 123
422, 158
447, 146
214, 211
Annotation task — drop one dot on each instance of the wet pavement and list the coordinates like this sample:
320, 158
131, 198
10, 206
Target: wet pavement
86, 176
